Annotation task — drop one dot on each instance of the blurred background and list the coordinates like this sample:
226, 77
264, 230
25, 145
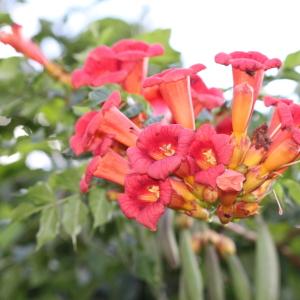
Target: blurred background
105, 256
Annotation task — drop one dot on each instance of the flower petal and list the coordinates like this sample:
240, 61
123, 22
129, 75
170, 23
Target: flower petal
150, 215
209, 176
223, 148
161, 169
138, 160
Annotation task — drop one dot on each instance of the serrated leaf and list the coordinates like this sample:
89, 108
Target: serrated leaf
267, 265
292, 60
74, 216
100, 206
161, 36
68, 180
239, 277
293, 189
40, 194
191, 273
23, 211
215, 284
49, 226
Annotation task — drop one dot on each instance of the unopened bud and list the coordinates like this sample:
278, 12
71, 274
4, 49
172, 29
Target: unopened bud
226, 246
210, 195
225, 213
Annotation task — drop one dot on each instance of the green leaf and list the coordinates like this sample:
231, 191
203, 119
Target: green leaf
161, 36
278, 188
191, 273
40, 194
80, 110
5, 19
99, 95
215, 284
74, 216
267, 265
167, 239
292, 60
67, 180
240, 280
23, 211
49, 226
100, 206
293, 189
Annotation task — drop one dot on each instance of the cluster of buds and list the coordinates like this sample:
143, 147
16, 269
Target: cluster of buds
212, 169
223, 244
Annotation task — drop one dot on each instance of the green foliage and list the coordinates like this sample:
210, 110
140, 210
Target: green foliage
267, 266
100, 206
49, 225
214, 280
191, 274
161, 36
240, 280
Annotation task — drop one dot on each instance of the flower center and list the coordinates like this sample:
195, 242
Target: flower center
152, 194
167, 150
210, 157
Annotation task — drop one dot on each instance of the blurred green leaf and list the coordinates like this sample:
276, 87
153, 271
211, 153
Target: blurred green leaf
214, 278
240, 280
161, 36
5, 18
40, 194
167, 239
100, 206
293, 189
267, 266
49, 226
67, 180
191, 273
292, 60
23, 211
74, 216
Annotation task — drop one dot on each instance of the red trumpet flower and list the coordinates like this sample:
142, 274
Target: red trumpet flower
27, 47
248, 67
125, 63
94, 131
174, 86
159, 150
111, 166
145, 199
211, 151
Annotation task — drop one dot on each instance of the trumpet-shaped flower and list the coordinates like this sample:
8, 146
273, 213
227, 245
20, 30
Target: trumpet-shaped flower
210, 148
94, 131
174, 86
111, 166
248, 67
27, 47
159, 150
145, 199
124, 63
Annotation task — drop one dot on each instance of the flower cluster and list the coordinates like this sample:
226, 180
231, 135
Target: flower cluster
216, 168
172, 164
